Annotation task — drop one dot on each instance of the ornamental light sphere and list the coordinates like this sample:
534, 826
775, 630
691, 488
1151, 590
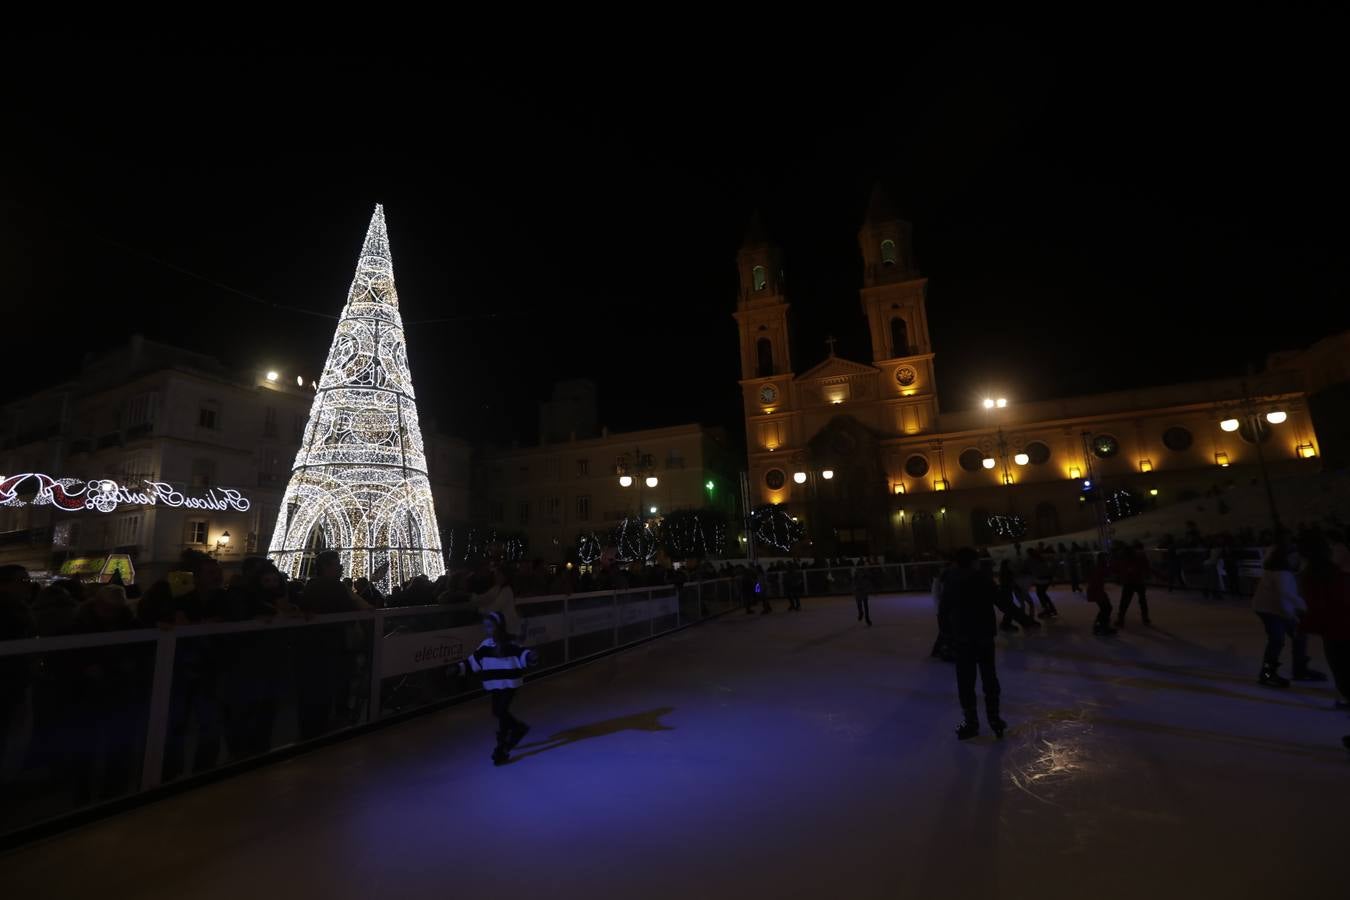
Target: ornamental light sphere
359, 484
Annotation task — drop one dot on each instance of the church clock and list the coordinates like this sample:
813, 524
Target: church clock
768, 394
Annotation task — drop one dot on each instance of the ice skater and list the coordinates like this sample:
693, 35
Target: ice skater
1096, 593
968, 599
792, 588
1134, 571
501, 664
861, 583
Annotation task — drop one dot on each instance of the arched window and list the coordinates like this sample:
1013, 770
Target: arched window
764, 351
888, 252
899, 337
759, 277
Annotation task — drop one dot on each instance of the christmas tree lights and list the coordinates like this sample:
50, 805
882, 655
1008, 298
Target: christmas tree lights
359, 484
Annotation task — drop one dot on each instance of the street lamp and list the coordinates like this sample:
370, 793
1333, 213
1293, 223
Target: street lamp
1230, 424
988, 462
640, 464
272, 375
799, 477
625, 481
652, 481
827, 474
1021, 459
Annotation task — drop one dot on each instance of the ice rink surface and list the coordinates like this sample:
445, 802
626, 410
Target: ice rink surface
789, 755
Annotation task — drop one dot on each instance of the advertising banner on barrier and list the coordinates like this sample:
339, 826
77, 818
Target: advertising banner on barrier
590, 620
412, 652
544, 629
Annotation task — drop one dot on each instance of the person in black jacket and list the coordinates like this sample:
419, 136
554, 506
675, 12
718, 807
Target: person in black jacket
969, 597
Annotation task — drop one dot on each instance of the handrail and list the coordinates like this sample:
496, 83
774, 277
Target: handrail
53, 643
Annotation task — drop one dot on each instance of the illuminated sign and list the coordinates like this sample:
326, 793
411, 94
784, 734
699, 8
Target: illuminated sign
105, 495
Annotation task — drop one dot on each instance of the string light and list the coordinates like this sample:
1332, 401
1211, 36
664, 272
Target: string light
775, 528
359, 484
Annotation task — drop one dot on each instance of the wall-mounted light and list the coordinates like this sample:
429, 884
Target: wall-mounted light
799, 477
652, 510
273, 375
1276, 416
1306, 450
1075, 472
1230, 424
1007, 478
1145, 465
1021, 459
940, 484
1153, 492
299, 381
1221, 458
223, 541
827, 474
899, 488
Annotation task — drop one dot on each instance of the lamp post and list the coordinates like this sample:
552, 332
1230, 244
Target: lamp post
991, 404
641, 473
1255, 422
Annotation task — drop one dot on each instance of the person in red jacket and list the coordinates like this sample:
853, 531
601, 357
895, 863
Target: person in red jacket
1096, 593
1326, 591
1134, 572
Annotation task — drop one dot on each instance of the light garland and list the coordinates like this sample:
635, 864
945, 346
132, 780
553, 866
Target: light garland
589, 547
359, 484
634, 540
775, 528
1009, 526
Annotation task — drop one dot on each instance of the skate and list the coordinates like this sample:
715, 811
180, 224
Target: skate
1303, 673
1270, 677
517, 735
1103, 629
967, 729
500, 757
996, 723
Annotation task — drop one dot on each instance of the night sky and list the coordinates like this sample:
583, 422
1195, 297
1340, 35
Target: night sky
1094, 211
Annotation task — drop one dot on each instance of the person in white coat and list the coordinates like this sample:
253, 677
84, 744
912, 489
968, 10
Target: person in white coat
500, 598
1278, 604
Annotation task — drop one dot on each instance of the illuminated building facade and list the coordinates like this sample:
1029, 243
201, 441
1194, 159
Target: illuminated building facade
861, 452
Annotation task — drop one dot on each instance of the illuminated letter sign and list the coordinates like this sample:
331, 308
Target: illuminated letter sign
72, 495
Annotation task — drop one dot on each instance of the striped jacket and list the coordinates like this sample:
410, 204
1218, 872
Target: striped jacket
500, 667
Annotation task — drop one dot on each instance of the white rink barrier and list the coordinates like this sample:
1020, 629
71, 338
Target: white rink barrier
125, 712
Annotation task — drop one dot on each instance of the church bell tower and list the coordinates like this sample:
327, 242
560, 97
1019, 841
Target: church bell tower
893, 300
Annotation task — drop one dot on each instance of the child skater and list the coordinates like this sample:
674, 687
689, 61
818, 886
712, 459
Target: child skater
501, 663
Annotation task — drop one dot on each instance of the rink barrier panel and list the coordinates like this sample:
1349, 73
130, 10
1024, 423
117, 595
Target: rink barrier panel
553, 623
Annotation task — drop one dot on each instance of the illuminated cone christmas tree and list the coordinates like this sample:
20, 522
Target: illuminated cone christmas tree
359, 484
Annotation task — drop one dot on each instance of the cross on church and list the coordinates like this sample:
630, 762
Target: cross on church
830, 342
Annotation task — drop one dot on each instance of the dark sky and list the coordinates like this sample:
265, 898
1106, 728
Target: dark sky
1094, 210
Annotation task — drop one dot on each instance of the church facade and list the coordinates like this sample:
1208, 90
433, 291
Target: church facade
860, 452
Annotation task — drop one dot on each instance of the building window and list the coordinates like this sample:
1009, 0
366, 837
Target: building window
674, 459
1178, 439
1260, 431
916, 466
888, 252
583, 468
1038, 453
760, 277
498, 513
1105, 446
270, 422
203, 473
142, 408
971, 460
764, 357
523, 473
196, 531
127, 533
523, 512
899, 337
552, 508
584, 508
207, 417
